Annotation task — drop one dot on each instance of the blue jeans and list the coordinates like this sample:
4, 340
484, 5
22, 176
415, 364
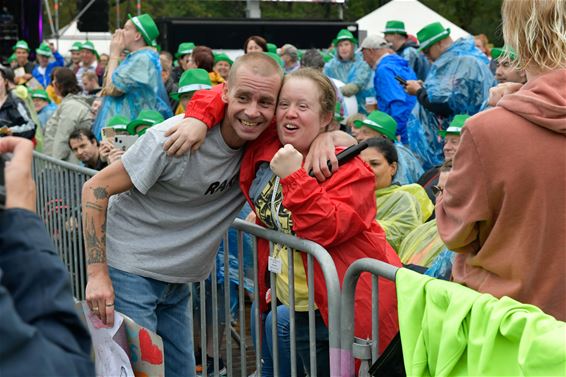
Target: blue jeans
163, 308
284, 343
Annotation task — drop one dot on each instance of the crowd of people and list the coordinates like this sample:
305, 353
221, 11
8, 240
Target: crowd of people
462, 178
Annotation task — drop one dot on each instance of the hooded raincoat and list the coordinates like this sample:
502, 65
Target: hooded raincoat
417, 61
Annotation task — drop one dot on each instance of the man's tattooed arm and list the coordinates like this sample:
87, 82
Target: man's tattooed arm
95, 203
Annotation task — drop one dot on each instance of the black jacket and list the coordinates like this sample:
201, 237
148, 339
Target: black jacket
14, 115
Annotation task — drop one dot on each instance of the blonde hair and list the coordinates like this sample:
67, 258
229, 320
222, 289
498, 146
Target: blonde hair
536, 29
259, 62
326, 88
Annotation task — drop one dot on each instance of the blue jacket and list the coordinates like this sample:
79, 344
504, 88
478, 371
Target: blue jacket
391, 96
45, 113
40, 332
45, 79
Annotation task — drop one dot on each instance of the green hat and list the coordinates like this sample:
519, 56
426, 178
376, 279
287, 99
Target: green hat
271, 47
147, 27
380, 122
21, 44
430, 34
345, 35
395, 27
12, 58
44, 50
118, 122
191, 80
184, 48
76, 46
145, 117
455, 127
88, 45
222, 57
276, 57
41, 94
326, 57
505, 52
338, 112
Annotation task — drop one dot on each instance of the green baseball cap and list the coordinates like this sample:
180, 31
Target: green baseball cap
147, 28
222, 57
455, 126
395, 27
192, 80
76, 46
503, 52
145, 118
430, 34
380, 122
44, 50
118, 122
184, 48
40, 94
21, 44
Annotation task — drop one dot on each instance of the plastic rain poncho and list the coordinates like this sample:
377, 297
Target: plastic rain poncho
462, 79
409, 168
417, 61
400, 209
139, 78
355, 71
441, 267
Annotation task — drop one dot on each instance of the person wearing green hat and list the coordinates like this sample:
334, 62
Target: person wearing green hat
135, 83
222, 65
191, 81
75, 60
89, 60
458, 83
146, 119
505, 70
21, 49
397, 36
380, 124
12, 61
42, 71
183, 56
350, 68
43, 106
452, 136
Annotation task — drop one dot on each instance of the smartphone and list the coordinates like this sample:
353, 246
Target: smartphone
346, 155
123, 142
401, 80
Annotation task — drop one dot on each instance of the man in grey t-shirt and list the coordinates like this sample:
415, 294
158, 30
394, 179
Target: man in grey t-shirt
162, 226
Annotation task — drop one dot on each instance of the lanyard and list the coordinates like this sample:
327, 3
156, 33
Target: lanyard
275, 211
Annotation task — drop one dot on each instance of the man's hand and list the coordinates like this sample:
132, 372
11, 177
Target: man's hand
104, 149
117, 44
349, 90
286, 161
413, 87
20, 187
100, 293
115, 155
184, 136
497, 92
322, 150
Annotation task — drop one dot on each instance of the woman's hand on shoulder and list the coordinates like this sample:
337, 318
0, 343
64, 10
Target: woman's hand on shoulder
286, 161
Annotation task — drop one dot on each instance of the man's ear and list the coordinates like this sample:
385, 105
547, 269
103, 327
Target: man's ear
225, 92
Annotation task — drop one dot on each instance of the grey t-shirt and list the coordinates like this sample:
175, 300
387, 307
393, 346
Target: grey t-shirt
168, 227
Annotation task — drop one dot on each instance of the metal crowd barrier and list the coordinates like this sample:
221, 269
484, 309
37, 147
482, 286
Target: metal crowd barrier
354, 348
59, 186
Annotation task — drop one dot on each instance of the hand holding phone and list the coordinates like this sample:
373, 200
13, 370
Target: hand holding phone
401, 80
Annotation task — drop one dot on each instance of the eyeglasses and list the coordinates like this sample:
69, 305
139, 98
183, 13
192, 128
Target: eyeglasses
436, 190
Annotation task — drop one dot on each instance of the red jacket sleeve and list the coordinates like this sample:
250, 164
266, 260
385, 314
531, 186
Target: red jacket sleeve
463, 207
207, 106
334, 211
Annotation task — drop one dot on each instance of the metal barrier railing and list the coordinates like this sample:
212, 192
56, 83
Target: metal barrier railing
59, 185
353, 348
59, 188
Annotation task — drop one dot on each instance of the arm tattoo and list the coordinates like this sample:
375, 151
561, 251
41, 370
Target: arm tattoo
100, 193
94, 206
95, 246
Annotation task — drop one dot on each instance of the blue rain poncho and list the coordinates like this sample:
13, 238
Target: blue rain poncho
139, 78
409, 168
460, 78
417, 61
355, 71
400, 209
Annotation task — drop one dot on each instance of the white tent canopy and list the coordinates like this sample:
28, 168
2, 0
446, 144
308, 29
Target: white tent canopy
414, 14
72, 34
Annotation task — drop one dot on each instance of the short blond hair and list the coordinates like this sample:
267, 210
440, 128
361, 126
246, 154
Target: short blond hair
536, 29
259, 62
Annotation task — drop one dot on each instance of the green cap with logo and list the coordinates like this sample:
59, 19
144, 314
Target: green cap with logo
145, 118
21, 44
430, 34
345, 35
184, 48
192, 80
44, 50
118, 122
222, 57
380, 122
40, 94
76, 46
147, 28
395, 27
455, 126
503, 52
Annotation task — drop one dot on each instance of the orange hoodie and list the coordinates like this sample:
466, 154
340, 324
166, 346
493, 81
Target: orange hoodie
504, 205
